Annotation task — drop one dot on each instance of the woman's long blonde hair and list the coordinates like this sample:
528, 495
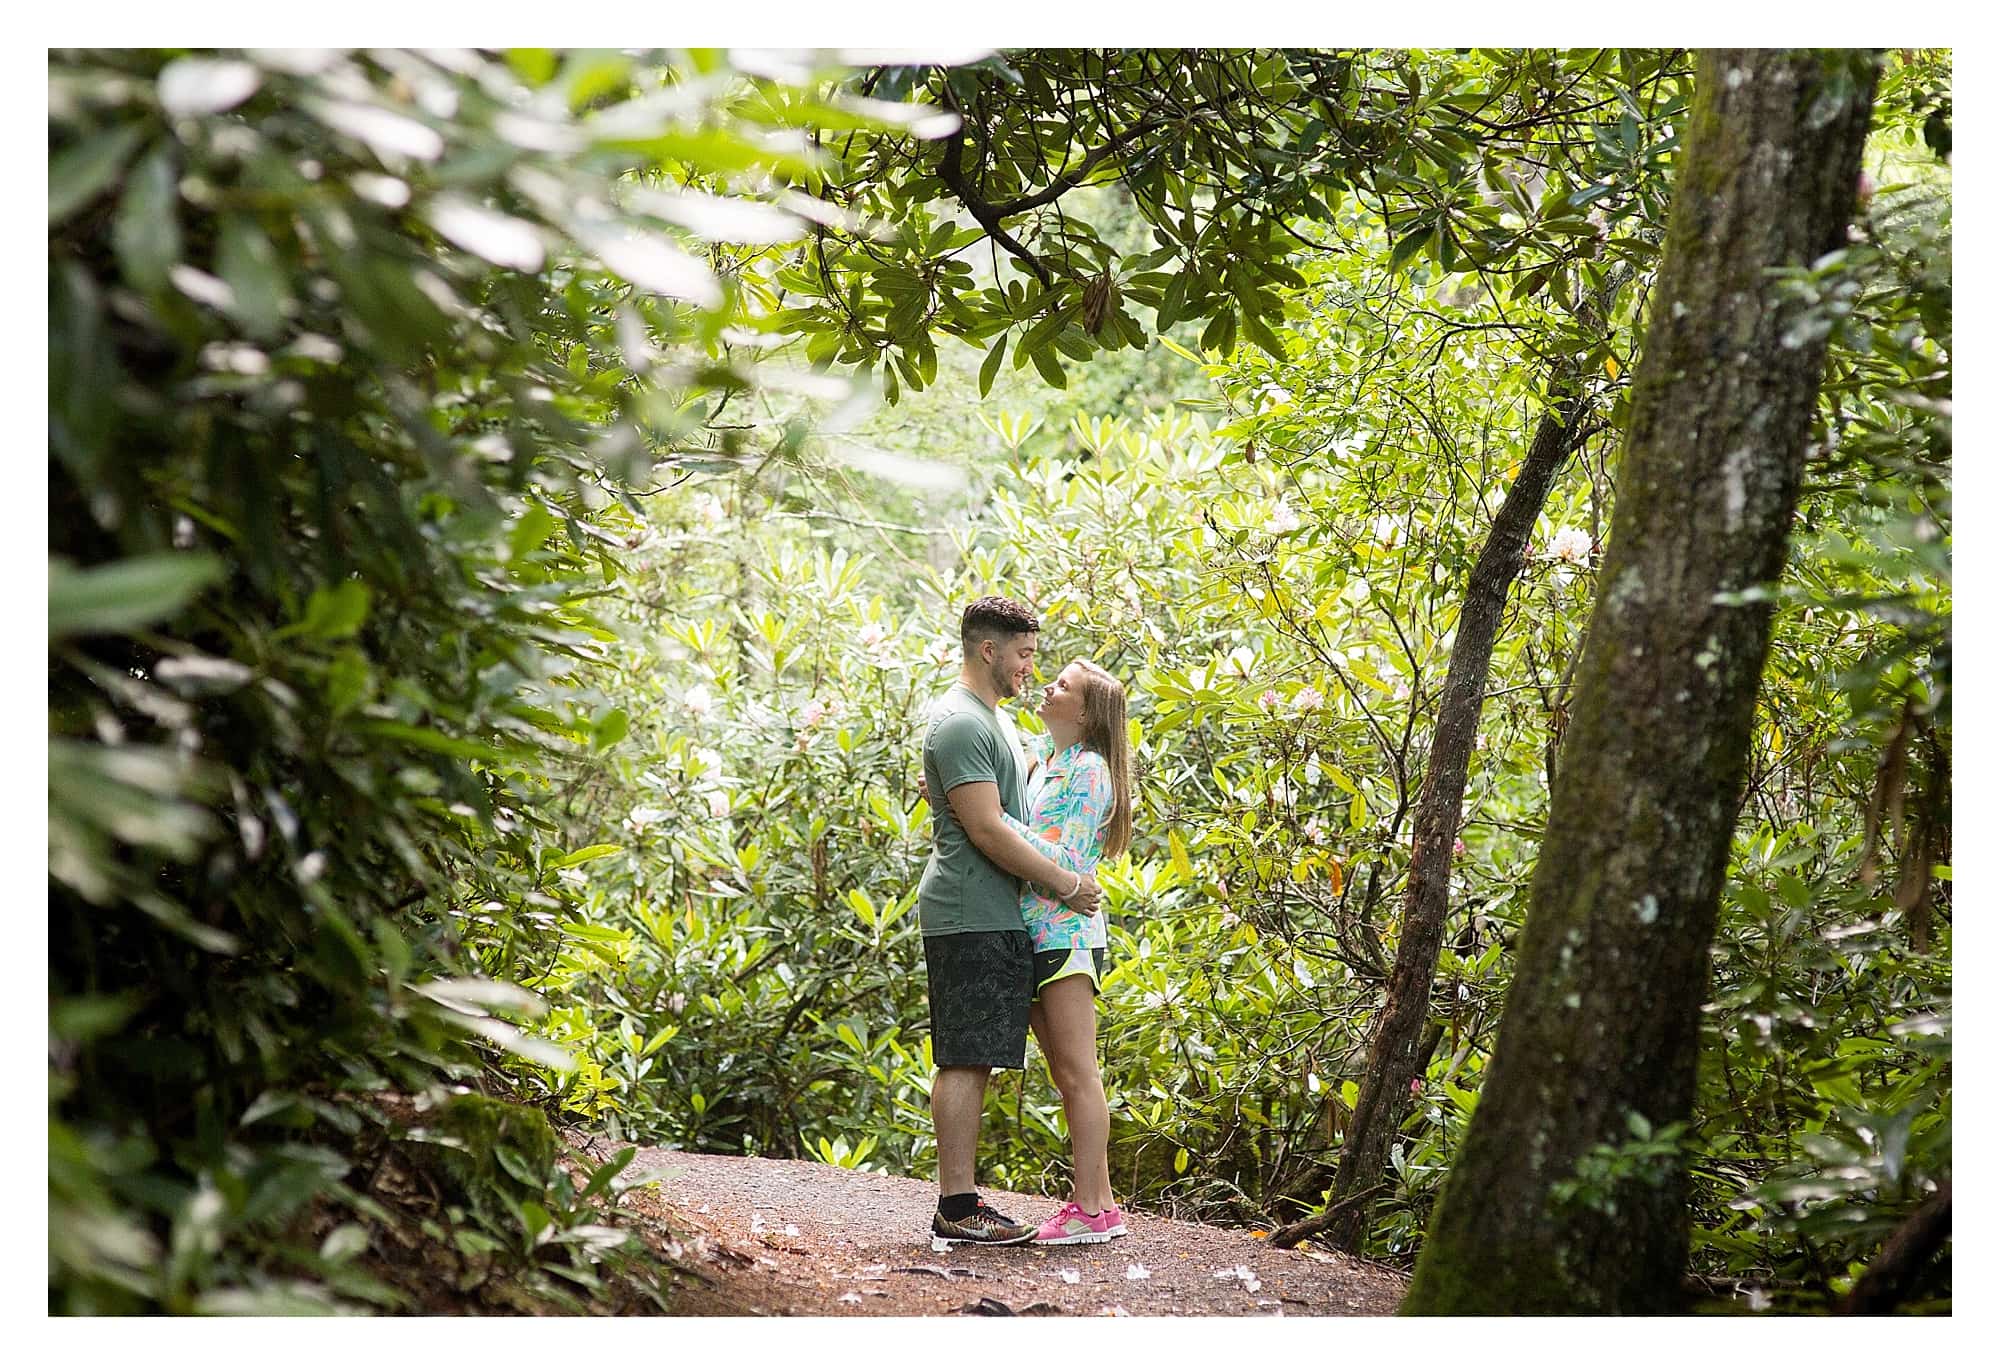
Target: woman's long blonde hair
1105, 732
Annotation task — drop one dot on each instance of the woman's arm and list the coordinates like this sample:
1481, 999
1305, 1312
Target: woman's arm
1084, 800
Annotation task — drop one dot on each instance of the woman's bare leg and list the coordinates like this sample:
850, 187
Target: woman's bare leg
1065, 1024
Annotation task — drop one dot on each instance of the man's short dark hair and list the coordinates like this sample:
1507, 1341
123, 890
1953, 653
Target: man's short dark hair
995, 618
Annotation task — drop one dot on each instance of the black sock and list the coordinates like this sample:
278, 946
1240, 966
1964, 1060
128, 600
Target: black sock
957, 1206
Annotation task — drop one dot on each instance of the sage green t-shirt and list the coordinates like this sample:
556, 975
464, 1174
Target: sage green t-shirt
963, 891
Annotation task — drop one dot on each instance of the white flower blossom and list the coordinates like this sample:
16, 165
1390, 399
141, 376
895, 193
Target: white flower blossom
1307, 699
718, 804
814, 712
1571, 545
644, 817
1284, 519
873, 634
698, 700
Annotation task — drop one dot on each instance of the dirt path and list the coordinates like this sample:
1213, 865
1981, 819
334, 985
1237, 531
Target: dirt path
755, 1237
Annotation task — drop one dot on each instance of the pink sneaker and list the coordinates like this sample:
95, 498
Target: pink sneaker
1072, 1225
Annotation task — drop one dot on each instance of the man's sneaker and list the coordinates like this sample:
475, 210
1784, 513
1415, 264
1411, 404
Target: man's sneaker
1072, 1225
985, 1225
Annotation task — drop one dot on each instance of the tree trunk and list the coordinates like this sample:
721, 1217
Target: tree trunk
1393, 1048
1893, 1273
1550, 1206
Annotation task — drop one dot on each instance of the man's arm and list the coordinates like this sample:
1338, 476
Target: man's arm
977, 806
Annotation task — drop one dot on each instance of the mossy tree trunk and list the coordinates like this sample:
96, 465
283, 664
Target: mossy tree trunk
1555, 1203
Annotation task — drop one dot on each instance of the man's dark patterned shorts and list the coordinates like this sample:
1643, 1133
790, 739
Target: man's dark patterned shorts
980, 984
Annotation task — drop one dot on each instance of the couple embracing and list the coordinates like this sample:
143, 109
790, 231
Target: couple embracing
1014, 937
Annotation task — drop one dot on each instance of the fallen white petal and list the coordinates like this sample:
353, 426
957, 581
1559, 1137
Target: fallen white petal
1137, 1272
1070, 1276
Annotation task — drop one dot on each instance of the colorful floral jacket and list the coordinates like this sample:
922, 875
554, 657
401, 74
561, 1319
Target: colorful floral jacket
1067, 813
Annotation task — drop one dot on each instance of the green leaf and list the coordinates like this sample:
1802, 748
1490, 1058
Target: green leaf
1173, 302
349, 681
80, 173
300, 1301
334, 613
248, 264
147, 233
1264, 338
127, 594
584, 855
1411, 244
1220, 334
80, 1018
534, 1219
611, 727
600, 1179
991, 365
423, 737
535, 65
531, 532
344, 1243
1051, 368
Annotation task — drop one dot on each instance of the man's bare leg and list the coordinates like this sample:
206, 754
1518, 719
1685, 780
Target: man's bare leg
958, 1099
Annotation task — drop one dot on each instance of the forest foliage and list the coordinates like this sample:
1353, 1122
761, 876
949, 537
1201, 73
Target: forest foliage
488, 624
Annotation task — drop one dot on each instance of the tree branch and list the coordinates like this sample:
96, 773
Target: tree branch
952, 174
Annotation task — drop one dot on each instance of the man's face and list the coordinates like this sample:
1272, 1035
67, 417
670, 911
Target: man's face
1011, 662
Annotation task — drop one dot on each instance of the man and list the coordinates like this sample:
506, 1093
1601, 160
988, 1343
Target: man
977, 953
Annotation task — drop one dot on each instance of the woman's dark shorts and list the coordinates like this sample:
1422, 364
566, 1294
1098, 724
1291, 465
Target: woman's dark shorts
1057, 963
979, 988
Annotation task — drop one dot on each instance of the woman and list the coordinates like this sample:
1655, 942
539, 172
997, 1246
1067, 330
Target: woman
1082, 805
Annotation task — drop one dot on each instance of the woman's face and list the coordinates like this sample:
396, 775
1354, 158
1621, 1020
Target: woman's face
1062, 702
